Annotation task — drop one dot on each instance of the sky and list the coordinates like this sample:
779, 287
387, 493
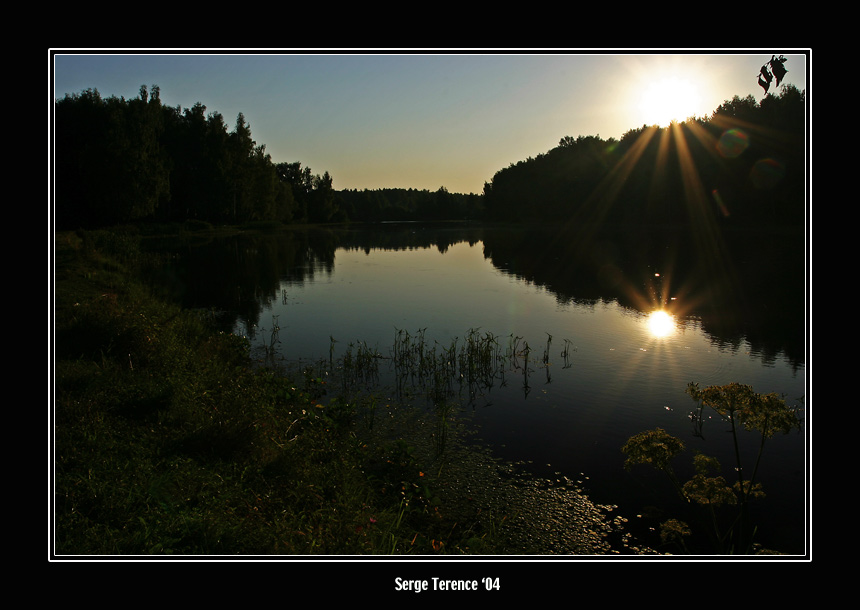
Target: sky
426, 119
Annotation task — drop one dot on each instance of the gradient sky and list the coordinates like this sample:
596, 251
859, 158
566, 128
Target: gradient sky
426, 119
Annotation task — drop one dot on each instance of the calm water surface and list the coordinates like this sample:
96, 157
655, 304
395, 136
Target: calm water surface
611, 370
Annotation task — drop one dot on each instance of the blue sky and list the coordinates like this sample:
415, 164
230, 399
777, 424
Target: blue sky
425, 119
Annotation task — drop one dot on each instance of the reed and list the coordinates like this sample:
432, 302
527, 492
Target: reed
358, 367
546, 349
444, 411
270, 349
463, 370
565, 353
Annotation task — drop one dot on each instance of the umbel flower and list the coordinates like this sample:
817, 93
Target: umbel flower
655, 447
742, 408
765, 413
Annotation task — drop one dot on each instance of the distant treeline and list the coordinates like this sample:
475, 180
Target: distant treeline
124, 161
409, 204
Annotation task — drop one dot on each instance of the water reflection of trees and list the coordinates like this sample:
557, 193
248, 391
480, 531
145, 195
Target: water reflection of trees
408, 236
233, 276
753, 294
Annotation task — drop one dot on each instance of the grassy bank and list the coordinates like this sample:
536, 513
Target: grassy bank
167, 440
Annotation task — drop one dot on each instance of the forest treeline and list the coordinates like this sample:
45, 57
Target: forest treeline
745, 164
123, 161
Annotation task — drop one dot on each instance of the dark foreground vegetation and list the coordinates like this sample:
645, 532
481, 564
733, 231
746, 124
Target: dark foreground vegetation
170, 440
724, 504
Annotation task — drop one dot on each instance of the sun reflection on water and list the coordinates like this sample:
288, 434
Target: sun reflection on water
661, 324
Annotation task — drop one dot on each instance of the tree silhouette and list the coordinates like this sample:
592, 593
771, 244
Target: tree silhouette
126, 161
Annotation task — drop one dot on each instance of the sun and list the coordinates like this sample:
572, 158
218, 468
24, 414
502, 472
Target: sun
669, 99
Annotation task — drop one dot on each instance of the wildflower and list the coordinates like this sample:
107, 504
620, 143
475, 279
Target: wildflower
709, 490
674, 531
656, 447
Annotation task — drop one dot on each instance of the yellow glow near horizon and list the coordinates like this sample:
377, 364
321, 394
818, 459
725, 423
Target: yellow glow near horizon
669, 99
661, 324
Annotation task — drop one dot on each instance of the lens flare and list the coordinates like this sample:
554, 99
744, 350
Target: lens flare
732, 143
766, 173
661, 324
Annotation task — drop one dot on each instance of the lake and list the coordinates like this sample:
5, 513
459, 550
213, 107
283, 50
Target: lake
583, 363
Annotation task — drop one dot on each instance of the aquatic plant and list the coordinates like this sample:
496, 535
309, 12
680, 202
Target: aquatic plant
741, 408
270, 349
358, 367
443, 410
467, 367
565, 353
546, 349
